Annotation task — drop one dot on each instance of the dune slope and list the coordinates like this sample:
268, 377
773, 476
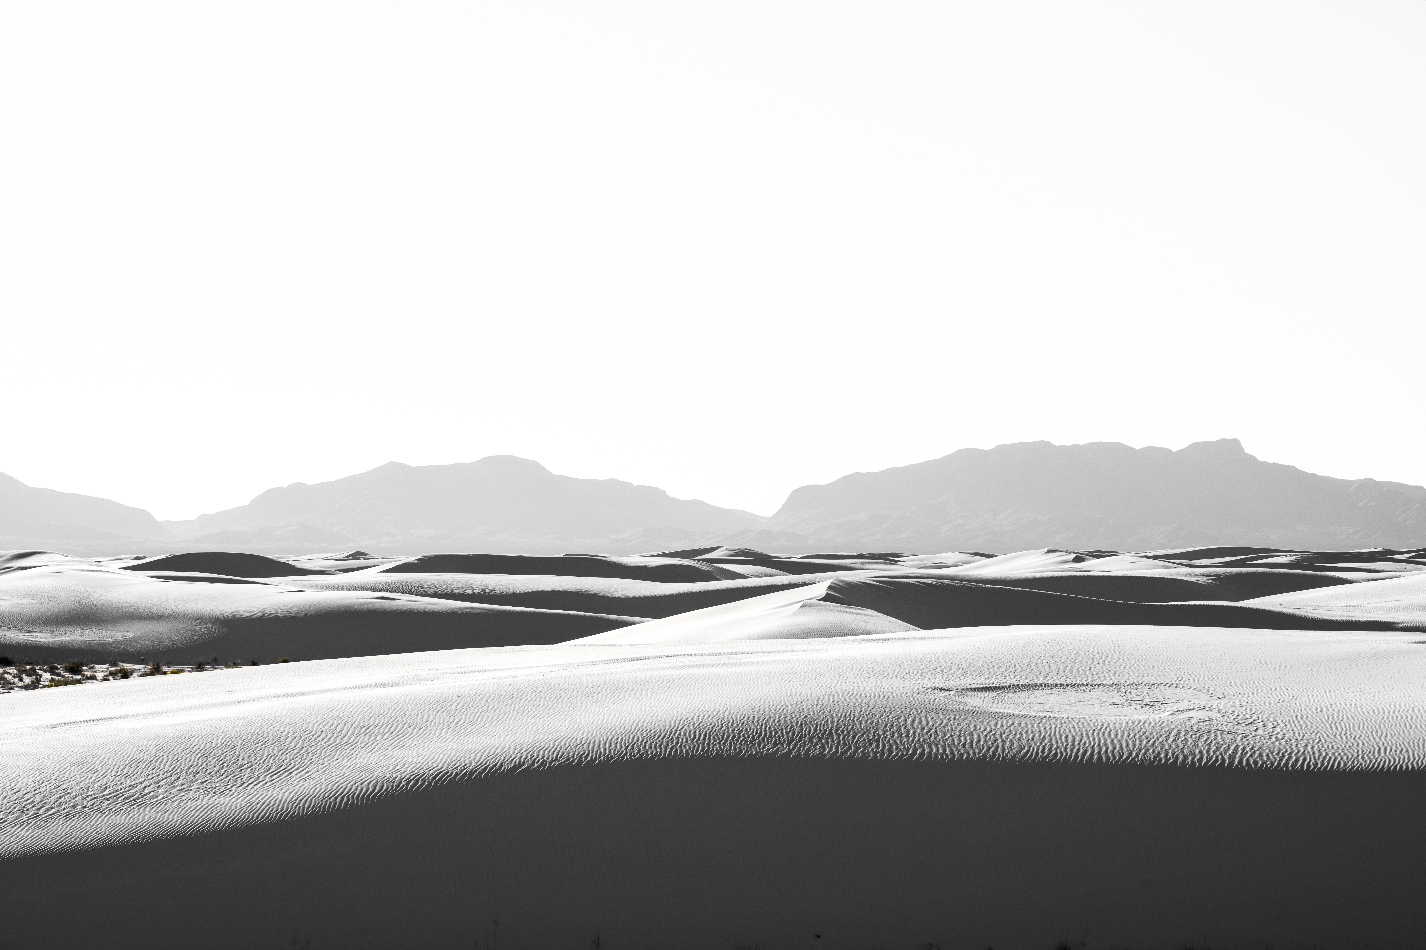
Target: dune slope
668, 570
606, 595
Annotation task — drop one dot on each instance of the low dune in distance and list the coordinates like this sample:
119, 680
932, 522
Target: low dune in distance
56, 613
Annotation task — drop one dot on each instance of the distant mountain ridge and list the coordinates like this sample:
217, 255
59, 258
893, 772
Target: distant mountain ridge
1101, 495
499, 503
81, 524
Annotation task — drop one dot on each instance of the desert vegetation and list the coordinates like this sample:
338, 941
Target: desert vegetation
18, 675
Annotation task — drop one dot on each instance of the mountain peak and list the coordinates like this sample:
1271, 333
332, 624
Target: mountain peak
1216, 448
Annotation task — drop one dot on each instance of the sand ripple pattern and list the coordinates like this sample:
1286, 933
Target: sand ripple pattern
153, 758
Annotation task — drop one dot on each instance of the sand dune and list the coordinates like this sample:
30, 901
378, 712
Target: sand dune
931, 603
57, 613
622, 596
1399, 600
1120, 786
1025, 562
868, 602
791, 614
1165, 585
11, 561
220, 562
668, 570
189, 607
955, 750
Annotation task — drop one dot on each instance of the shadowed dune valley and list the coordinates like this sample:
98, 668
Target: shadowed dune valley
711, 744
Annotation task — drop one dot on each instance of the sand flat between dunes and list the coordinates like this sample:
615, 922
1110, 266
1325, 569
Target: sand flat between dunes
664, 791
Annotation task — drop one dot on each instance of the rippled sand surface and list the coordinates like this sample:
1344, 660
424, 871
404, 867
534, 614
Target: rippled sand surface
1014, 784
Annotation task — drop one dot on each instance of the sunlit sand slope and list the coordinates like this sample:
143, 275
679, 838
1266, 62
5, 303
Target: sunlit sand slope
607, 595
1128, 786
1394, 599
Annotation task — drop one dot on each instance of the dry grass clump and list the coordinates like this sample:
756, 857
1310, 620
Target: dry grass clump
22, 675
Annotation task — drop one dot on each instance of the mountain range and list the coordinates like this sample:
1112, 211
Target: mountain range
44, 518
1101, 495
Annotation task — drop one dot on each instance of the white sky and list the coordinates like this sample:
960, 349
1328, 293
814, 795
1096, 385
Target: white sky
722, 248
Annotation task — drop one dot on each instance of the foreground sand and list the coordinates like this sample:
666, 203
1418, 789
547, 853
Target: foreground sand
1011, 787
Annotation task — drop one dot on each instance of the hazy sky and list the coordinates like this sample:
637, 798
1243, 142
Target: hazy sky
722, 248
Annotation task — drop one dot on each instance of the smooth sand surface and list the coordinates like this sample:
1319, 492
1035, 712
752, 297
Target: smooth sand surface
791, 614
1007, 787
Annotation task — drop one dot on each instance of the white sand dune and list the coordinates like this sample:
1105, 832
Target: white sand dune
607, 595
866, 603
1120, 786
1167, 585
933, 602
1024, 562
1369, 561
947, 559
790, 614
668, 570
231, 564
1395, 599
58, 612
54, 608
